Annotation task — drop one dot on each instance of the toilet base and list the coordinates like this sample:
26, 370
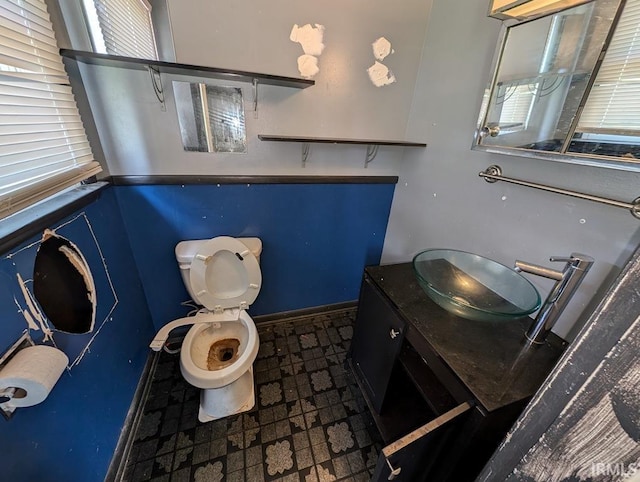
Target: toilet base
237, 397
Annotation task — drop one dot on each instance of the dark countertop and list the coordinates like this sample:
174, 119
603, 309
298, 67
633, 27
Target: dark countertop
489, 358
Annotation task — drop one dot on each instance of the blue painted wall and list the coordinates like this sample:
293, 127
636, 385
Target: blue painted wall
72, 435
317, 238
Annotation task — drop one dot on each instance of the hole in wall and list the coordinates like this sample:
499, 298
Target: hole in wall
63, 285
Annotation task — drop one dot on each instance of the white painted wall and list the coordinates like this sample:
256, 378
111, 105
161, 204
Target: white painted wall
441, 202
138, 138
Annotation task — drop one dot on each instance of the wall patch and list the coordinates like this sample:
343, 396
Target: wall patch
380, 75
311, 39
381, 48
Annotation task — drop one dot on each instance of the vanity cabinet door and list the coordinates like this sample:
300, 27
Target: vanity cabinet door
411, 458
376, 342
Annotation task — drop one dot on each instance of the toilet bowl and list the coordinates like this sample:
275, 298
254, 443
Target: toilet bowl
223, 275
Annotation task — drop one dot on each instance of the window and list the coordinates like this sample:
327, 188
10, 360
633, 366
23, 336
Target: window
43, 145
121, 27
613, 106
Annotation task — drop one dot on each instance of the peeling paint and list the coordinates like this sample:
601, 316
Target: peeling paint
80, 264
380, 75
31, 324
597, 438
31, 312
310, 38
381, 48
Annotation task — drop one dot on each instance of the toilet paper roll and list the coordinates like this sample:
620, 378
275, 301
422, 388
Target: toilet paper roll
33, 372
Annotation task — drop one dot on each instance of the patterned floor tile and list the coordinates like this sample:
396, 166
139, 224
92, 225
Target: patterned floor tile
310, 422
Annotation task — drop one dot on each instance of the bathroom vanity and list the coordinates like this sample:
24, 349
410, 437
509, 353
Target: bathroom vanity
442, 390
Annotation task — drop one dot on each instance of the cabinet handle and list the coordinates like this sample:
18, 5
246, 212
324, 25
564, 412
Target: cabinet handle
394, 472
393, 333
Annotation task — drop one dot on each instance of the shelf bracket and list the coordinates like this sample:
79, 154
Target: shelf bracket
306, 152
156, 82
372, 152
255, 94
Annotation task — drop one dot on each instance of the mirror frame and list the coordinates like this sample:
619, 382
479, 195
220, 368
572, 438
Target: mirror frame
565, 157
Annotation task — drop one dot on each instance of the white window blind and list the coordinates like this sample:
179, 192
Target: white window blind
126, 28
516, 105
43, 145
613, 106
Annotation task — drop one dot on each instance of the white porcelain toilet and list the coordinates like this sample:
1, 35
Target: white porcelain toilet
223, 275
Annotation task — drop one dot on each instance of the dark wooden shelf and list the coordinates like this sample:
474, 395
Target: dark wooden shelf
184, 69
332, 140
426, 382
404, 408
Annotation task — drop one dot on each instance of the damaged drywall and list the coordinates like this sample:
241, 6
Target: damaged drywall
63, 285
57, 294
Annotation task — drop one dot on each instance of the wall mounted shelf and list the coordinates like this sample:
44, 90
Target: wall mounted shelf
184, 69
372, 144
157, 67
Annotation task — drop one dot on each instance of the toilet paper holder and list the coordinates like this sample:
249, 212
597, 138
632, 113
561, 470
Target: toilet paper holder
8, 393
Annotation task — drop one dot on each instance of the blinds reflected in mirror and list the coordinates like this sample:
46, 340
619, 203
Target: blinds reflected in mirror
613, 106
517, 102
211, 117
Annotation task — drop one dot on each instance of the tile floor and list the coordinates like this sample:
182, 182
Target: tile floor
310, 422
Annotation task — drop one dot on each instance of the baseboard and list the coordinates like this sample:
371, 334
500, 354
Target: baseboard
125, 441
304, 312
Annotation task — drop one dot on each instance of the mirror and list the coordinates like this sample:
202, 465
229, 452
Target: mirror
549, 83
211, 117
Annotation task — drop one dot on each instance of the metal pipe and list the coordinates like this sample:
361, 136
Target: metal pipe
537, 270
494, 174
567, 282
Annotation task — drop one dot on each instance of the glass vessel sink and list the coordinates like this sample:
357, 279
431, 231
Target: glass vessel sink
474, 287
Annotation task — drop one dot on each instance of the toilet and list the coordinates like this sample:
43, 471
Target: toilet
223, 276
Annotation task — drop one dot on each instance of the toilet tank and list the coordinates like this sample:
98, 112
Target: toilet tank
186, 250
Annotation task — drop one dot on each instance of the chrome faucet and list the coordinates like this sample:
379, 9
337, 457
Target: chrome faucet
567, 282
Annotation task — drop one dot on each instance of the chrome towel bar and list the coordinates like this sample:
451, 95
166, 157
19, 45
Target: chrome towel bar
494, 174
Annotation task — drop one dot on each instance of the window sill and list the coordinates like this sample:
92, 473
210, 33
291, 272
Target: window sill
18, 228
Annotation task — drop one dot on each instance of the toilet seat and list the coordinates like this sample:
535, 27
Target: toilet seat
249, 345
225, 274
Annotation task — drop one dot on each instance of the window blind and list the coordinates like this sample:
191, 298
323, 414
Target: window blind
516, 105
126, 28
613, 106
43, 145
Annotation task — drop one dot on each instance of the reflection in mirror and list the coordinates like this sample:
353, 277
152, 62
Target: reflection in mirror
544, 72
609, 124
211, 117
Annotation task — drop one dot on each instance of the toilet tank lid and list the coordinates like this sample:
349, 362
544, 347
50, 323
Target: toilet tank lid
186, 250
